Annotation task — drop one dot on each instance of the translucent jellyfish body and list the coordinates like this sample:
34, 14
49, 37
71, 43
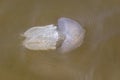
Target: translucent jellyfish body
66, 36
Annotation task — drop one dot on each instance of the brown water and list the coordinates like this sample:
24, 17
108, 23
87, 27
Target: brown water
97, 59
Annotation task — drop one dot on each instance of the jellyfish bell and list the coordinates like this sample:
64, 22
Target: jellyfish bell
73, 32
64, 37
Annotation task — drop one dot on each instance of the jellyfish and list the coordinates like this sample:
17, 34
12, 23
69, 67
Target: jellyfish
64, 37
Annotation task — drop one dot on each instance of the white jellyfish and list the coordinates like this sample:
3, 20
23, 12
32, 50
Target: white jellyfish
64, 37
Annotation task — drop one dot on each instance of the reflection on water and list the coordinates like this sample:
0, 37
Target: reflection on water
97, 59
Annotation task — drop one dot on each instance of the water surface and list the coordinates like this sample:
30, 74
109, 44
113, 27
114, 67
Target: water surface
97, 59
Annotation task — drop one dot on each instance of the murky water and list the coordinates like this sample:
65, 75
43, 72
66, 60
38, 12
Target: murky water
97, 59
